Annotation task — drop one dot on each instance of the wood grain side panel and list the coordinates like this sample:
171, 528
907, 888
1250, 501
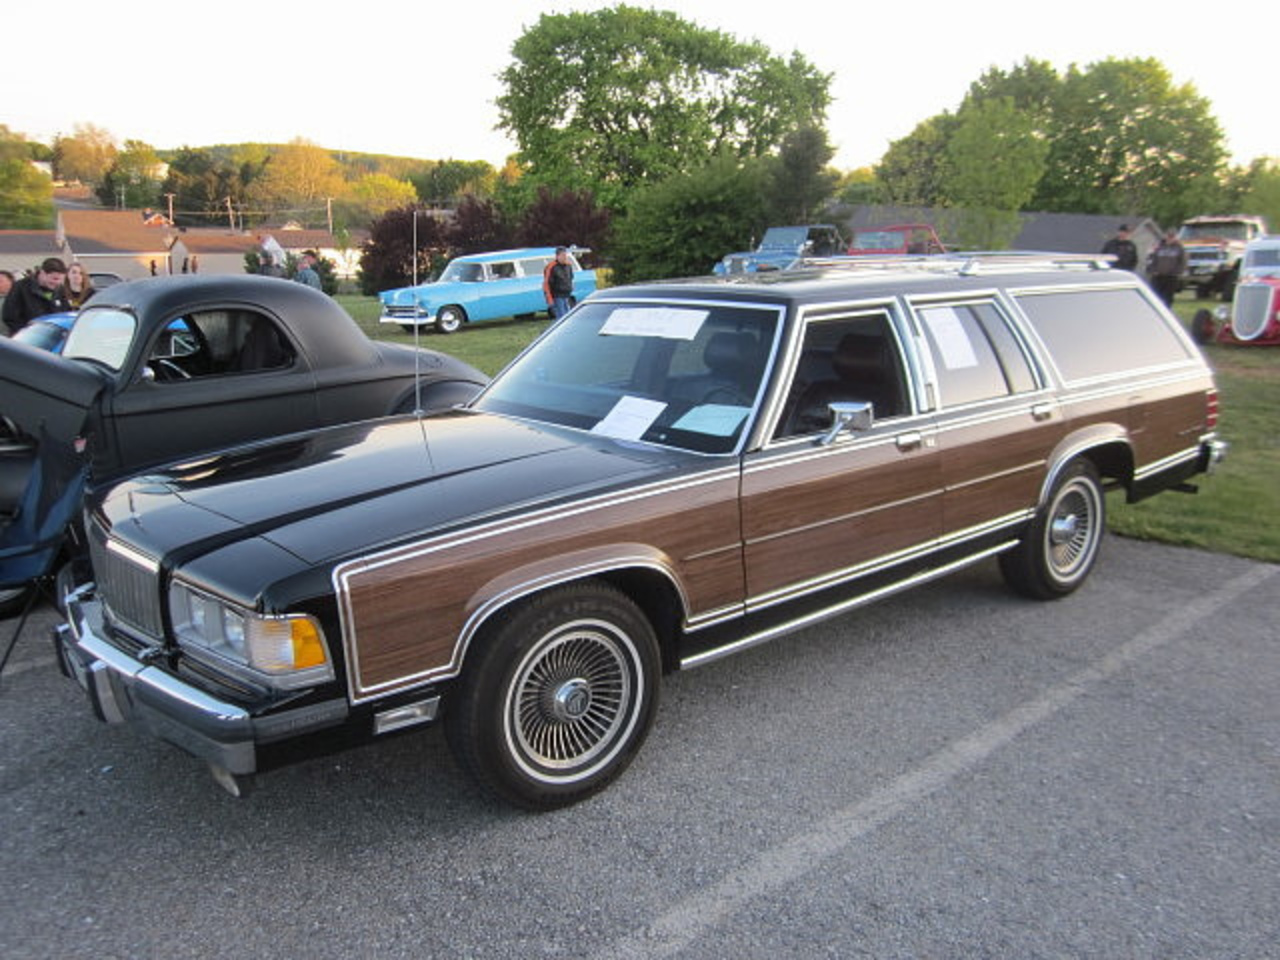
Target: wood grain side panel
406, 611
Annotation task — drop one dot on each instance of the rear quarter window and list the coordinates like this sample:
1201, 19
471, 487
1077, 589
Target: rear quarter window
1099, 333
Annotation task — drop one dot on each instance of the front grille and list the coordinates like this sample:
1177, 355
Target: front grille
128, 585
407, 312
1250, 309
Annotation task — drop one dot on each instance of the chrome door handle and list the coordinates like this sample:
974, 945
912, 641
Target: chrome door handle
1041, 411
909, 441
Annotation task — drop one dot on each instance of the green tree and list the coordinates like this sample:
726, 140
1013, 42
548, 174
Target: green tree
994, 161
133, 181
802, 181
477, 225
445, 182
1262, 197
859, 188
298, 181
912, 169
612, 99
26, 194
85, 156
683, 225
1125, 138
373, 195
201, 183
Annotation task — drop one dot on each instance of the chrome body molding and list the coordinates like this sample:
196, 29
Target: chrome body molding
840, 577
826, 613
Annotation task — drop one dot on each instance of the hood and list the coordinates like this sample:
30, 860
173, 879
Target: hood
327, 495
39, 390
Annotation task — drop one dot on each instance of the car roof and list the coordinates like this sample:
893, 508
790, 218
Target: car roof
850, 278
323, 328
517, 254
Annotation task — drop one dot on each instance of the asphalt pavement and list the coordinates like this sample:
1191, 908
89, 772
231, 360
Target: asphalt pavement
955, 772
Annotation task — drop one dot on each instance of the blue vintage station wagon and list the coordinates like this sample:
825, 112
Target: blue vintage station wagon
481, 286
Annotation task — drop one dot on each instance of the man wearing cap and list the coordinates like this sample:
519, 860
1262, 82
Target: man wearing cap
36, 295
1123, 249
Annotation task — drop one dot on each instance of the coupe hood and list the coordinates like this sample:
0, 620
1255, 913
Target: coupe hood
327, 494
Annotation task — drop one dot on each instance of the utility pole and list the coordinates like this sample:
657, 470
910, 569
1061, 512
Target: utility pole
328, 206
231, 217
170, 196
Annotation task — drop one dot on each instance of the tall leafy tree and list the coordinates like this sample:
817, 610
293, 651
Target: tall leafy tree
86, 155
298, 181
133, 180
399, 240
802, 181
26, 194
611, 99
912, 169
995, 158
1262, 193
1124, 138
373, 195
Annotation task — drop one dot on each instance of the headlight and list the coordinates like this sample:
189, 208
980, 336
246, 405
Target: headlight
285, 651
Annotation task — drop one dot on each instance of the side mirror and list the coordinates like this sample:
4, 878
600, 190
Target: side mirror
854, 416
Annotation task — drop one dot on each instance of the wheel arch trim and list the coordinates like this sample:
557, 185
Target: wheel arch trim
1106, 444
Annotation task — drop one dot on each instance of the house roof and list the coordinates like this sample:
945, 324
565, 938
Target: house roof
114, 231
41, 243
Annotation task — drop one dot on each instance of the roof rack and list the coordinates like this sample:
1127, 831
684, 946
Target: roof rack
969, 263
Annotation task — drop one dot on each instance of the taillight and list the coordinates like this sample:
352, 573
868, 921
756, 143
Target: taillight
1211, 409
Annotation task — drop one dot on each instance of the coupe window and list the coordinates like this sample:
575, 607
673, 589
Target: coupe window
103, 335
208, 342
679, 376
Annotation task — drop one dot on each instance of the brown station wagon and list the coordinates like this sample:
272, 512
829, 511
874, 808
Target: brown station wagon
674, 472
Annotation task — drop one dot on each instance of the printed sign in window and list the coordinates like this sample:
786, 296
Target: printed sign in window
947, 331
630, 418
669, 323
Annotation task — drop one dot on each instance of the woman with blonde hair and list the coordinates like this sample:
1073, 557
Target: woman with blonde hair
78, 287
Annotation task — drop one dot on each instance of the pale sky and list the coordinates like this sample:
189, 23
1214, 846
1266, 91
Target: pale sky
383, 76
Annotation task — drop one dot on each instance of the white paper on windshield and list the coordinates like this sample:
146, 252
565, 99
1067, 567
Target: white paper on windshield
712, 419
630, 418
669, 323
949, 337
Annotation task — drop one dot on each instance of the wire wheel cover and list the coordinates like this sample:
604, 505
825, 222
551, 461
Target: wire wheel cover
1073, 532
573, 700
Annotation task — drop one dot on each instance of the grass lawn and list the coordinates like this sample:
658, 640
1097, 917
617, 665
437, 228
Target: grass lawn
1236, 511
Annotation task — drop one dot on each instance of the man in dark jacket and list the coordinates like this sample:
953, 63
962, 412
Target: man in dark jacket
1166, 265
557, 283
36, 295
1123, 249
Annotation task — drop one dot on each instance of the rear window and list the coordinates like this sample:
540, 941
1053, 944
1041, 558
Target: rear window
1098, 333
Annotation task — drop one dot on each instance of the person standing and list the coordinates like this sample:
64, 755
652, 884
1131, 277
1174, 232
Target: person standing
1165, 268
306, 272
1123, 249
78, 287
557, 284
6, 284
36, 295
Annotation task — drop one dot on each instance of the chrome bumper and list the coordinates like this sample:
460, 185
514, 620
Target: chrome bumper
122, 689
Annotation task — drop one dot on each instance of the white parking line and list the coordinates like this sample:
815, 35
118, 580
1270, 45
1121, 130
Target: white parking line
780, 865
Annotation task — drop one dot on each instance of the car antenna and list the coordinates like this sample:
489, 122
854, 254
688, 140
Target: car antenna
417, 350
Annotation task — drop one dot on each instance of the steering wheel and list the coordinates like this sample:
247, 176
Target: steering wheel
167, 370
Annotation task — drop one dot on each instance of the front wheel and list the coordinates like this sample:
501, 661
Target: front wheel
450, 319
1059, 548
1203, 327
558, 698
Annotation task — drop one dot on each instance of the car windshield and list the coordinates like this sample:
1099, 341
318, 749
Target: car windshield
457, 272
42, 335
678, 375
1262, 259
879, 240
102, 334
1224, 229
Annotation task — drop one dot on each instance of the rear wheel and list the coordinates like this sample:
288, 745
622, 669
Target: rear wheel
1059, 548
558, 698
450, 319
